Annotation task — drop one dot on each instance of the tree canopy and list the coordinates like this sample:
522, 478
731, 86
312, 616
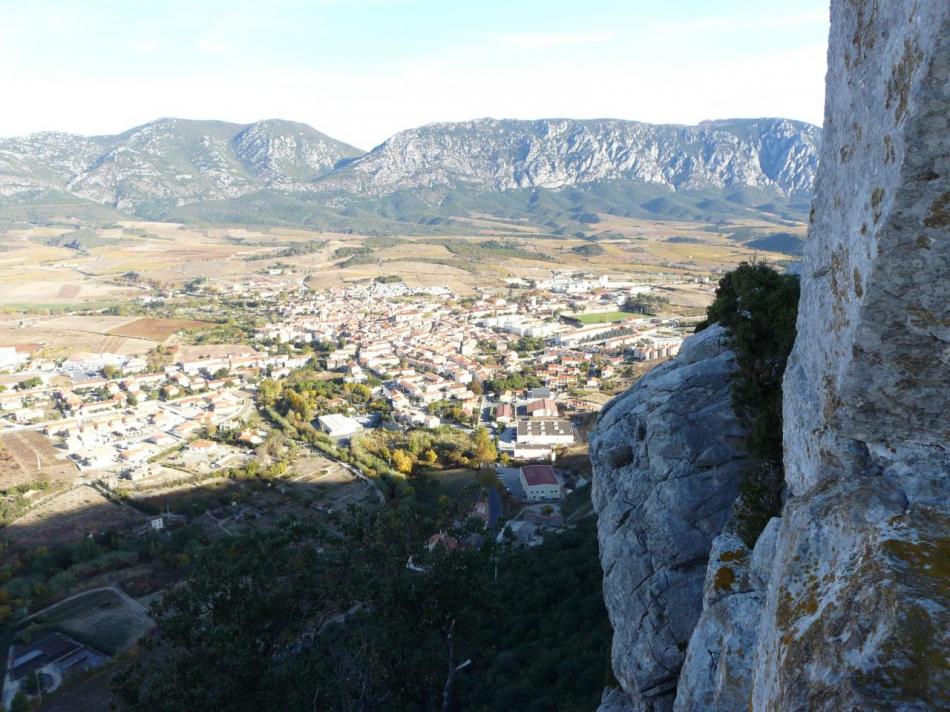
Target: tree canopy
301, 618
377, 613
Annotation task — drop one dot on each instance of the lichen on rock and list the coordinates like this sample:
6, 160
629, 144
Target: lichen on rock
717, 672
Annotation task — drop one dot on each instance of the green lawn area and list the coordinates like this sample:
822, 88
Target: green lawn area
603, 317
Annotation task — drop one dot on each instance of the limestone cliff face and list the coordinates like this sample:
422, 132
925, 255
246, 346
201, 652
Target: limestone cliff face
842, 604
869, 369
666, 458
855, 615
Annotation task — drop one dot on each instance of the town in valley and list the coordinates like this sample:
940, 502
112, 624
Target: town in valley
190, 386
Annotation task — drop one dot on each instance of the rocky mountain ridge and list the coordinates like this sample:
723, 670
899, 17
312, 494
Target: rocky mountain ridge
175, 162
172, 160
490, 154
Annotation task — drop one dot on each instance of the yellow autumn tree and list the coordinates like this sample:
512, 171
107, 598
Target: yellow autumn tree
403, 461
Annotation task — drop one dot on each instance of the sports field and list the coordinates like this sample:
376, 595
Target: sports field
603, 317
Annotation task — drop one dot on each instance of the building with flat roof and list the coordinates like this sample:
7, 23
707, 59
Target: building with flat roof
541, 482
52, 657
339, 427
545, 431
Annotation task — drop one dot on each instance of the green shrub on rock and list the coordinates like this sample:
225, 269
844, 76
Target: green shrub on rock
758, 306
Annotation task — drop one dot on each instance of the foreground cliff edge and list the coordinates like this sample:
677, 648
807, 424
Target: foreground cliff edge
842, 602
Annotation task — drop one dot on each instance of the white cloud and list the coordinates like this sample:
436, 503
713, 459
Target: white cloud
213, 44
146, 45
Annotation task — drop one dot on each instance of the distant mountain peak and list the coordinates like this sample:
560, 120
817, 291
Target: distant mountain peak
504, 154
170, 161
153, 169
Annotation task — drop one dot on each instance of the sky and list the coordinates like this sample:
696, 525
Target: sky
361, 70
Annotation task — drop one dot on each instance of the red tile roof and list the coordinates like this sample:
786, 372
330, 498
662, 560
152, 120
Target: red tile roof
539, 475
545, 404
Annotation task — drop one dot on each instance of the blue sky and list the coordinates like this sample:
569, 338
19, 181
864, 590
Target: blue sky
361, 70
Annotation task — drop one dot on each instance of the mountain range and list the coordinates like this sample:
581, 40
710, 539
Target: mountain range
556, 172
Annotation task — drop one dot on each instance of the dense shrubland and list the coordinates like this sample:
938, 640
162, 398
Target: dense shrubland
300, 618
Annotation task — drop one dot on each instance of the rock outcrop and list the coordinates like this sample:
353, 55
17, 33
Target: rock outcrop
717, 672
615, 699
870, 367
666, 457
842, 604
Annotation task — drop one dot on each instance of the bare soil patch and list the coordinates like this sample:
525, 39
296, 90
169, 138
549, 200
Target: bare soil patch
157, 329
69, 516
69, 291
328, 484
27, 456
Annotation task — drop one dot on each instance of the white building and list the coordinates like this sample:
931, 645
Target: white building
9, 358
652, 349
545, 431
532, 452
541, 482
339, 427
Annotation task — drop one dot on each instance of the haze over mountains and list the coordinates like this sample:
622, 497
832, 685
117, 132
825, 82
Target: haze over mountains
555, 172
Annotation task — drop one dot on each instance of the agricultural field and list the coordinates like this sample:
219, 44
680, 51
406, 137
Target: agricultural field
53, 268
27, 456
432, 485
328, 485
156, 329
59, 336
603, 317
104, 620
413, 273
183, 493
69, 516
452, 482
